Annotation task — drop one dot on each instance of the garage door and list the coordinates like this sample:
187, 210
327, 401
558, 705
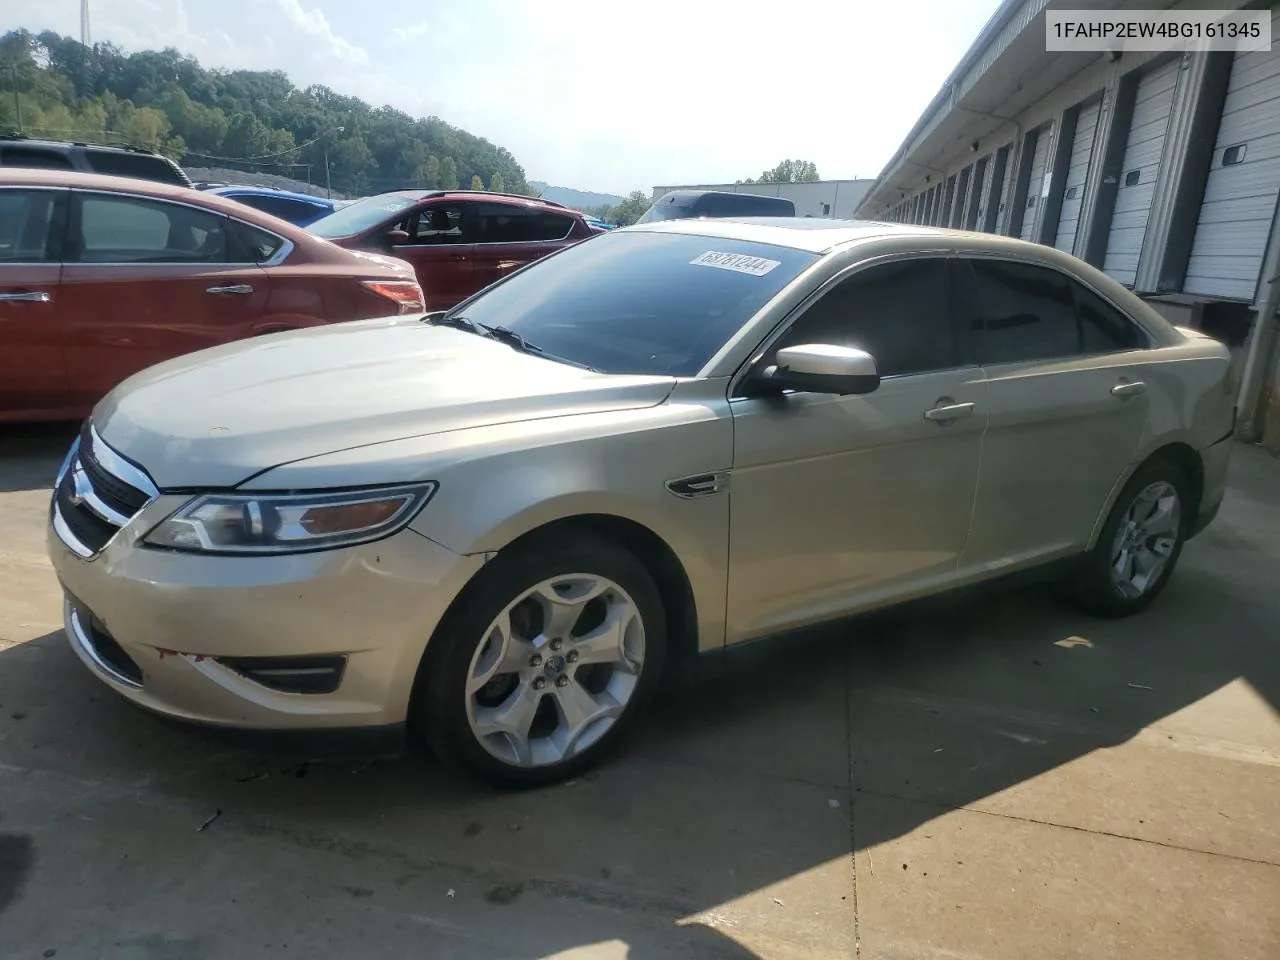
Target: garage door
1039, 155
1077, 175
1151, 110
1240, 196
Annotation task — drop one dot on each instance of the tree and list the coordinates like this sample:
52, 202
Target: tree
476, 182
630, 209
788, 171
448, 174
497, 184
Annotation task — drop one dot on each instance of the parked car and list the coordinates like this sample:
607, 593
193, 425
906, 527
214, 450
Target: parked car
684, 204
458, 241
502, 523
20, 151
299, 209
597, 223
103, 276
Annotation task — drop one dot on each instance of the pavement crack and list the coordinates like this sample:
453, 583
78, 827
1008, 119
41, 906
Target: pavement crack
885, 795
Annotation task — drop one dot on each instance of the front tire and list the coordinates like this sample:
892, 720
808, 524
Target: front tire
544, 662
1139, 544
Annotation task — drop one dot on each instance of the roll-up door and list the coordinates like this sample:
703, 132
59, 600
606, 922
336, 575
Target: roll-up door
962, 196
1077, 176
1039, 156
1152, 108
1240, 195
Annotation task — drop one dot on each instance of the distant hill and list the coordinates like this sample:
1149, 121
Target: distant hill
577, 199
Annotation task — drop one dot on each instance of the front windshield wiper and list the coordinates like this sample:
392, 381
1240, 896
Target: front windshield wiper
503, 335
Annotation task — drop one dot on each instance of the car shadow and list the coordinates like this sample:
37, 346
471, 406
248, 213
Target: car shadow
732, 786
30, 454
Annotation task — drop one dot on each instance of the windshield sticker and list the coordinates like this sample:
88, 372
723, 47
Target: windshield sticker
737, 262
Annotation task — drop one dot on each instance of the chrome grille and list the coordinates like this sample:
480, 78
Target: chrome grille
97, 492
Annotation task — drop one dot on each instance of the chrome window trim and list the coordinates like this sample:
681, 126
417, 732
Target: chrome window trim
287, 246
81, 637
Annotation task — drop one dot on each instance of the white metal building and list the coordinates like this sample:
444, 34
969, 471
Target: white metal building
1163, 169
814, 198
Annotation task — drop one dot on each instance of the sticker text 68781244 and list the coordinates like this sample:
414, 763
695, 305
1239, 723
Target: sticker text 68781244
737, 262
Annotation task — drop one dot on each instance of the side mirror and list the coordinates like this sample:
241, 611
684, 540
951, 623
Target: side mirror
396, 238
824, 368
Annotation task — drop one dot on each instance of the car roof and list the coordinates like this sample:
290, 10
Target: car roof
69, 145
257, 191
68, 179
800, 233
488, 196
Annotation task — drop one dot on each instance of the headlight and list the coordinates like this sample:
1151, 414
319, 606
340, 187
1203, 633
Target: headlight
288, 523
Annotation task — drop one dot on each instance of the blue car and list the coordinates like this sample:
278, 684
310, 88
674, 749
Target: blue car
298, 208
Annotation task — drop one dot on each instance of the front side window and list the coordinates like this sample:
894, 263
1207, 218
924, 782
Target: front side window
639, 303
1028, 312
34, 157
137, 165
133, 230
26, 225
509, 223
899, 312
441, 223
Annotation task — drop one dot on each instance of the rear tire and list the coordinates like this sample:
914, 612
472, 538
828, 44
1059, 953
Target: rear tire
1140, 543
543, 663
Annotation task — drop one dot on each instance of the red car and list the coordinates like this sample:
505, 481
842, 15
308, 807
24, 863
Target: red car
459, 241
103, 276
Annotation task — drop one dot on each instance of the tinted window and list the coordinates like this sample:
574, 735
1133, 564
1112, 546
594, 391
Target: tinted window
1103, 329
1027, 313
135, 165
286, 208
25, 220
638, 302
900, 313
130, 230
34, 157
259, 244
508, 223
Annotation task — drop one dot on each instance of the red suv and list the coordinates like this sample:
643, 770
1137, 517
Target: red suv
103, 276
458, 241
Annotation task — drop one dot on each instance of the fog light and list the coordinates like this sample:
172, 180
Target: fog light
290, 674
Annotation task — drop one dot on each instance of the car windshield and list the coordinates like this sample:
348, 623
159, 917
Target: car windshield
633, 302
666, 211
360, 216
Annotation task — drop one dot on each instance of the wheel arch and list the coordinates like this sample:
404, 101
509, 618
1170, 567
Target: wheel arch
1178, 452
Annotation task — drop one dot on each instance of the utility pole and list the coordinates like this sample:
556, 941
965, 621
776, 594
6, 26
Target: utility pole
328, 187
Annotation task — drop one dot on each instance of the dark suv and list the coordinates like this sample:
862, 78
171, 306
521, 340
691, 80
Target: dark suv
19, 151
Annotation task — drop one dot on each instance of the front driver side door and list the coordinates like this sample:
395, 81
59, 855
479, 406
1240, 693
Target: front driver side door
840, 503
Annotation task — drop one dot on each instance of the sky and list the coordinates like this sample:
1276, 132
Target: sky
606, 95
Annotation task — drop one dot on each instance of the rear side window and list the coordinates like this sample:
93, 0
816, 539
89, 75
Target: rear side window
133, 230
26, 226
1103, 329
1027, 313
900, 313
35, 157
136, 165
503, 223
260, 245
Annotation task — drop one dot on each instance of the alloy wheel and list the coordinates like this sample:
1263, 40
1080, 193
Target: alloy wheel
1146, 539
555, 670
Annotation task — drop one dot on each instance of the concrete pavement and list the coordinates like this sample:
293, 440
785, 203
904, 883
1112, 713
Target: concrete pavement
1003, 778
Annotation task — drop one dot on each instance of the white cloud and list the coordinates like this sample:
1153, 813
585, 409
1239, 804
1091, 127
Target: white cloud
315, 23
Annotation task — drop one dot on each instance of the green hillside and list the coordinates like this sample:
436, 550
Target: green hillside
259, 120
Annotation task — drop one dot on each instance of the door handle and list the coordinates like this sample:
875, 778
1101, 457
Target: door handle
1128, 388
458, 256
236, 289
950, 411
28, 296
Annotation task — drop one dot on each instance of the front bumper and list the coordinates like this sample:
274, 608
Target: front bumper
156, 625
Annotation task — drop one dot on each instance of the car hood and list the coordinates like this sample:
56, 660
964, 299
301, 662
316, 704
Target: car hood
217, 417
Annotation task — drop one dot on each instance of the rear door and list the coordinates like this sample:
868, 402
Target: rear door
33, 376
510, 235
146, 280
441, 253
1067, 410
